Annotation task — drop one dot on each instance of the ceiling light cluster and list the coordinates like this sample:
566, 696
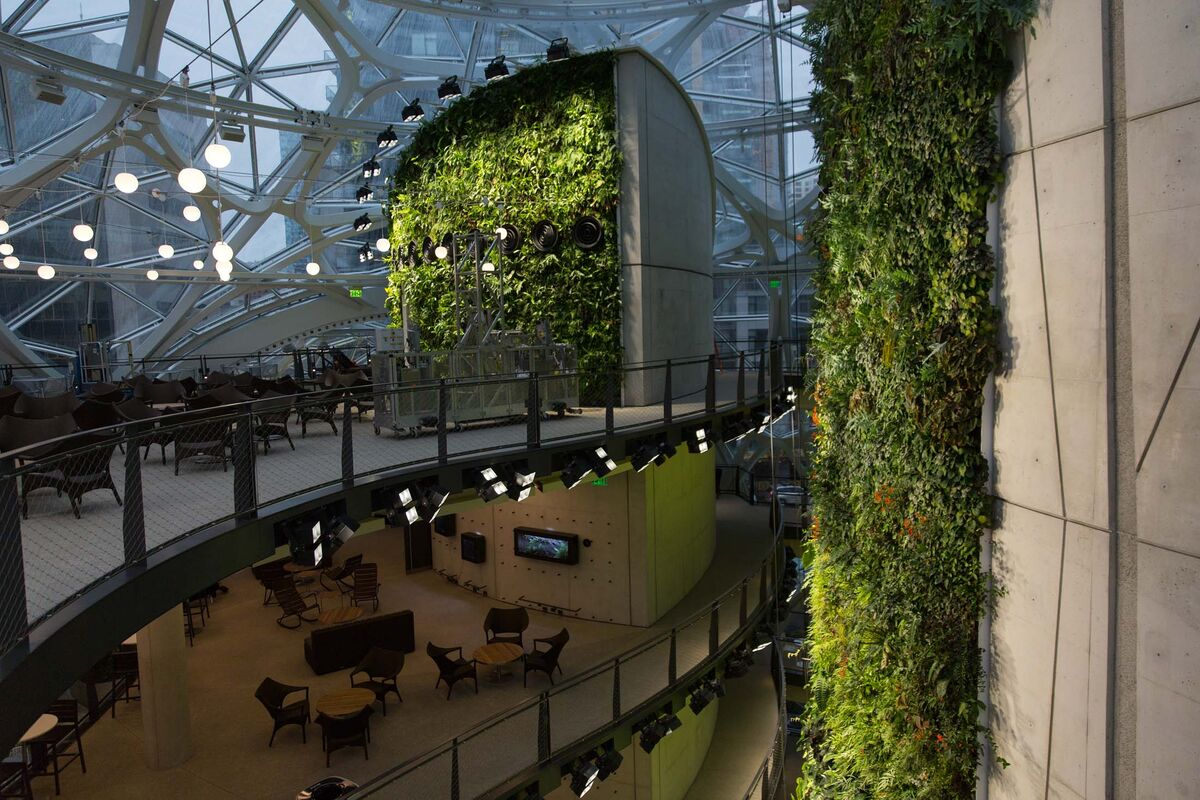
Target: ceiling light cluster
592, 767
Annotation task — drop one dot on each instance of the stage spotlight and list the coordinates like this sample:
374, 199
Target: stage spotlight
558, 49
702, 695
672, 723
371, 169
643, 457
544, 236
449, 89
587, 233
365, 194
609, 760
519, 481
665, 451
698, 441
488, 485
738, 663
387, 138
365, 254
432, 500
657, 728
510, 242
574, 472
601, 462
583, 777
496, 69
362, 223
412, 112
762, 639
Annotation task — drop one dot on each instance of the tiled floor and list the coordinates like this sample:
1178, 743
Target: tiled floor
242, 644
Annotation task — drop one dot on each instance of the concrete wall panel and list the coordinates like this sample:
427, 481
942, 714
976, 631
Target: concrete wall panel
1162, 55
1065, 70
1025, 458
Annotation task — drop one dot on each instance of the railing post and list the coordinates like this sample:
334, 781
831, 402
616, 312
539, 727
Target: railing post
617, 687
454, 790
544, 727
762, 584
741, 387
672, 666
245, 493
14, 621
533, 407
667, 394
742, 609
714, 629
609, 400
710, 387
762, 372
133, 518
443, 448
347, 442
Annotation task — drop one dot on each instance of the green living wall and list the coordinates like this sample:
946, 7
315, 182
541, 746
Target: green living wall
905, 338
540, 144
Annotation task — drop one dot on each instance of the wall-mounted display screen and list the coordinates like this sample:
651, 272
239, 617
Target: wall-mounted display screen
562, 548
474, 547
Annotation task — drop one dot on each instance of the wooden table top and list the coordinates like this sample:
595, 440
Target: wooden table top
336, 616
44, 724
497, 653
292, 566
345, 703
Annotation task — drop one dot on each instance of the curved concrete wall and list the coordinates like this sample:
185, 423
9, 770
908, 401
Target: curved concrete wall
666, 219
1095, 648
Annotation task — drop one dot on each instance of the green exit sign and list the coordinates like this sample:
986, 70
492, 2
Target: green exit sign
600, 482
356, 291
775, 284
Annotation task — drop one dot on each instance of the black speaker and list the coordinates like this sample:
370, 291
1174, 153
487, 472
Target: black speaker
587, 234
474, 547
544, 236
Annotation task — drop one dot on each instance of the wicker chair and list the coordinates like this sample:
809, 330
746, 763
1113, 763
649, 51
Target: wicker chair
381, 668
105, 393
339, 732
506, 625
88, 470
545, 660
318, 406
205, 435
32, 407
162, 394
271, 415
273, 695
134, 410
451, 670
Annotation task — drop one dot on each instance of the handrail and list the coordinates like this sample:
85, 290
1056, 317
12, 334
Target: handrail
718, 648
130, 539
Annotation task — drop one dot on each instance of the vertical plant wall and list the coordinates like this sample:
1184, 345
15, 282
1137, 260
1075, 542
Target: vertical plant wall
905, 338
538, 145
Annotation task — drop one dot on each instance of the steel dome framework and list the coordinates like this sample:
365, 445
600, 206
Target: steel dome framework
312, 83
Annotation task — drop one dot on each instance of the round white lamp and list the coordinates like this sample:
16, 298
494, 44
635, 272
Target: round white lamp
152, 274
91, 253
83, 232
217, 155
45, 272
383, 244
222, 252
6, 249
11, 262
192, 180
198, 264
191, 213
312, 268
126, 182
166, 250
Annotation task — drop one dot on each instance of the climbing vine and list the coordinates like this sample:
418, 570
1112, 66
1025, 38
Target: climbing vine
904, 335
538, 145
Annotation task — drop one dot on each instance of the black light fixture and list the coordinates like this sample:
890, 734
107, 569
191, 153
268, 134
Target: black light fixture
672, 723
365, 254
365, 194
587, 233
449, 89
702, 695
574, 472
406, 501
387, 138
644, 456
544, 236
698, 441
520, 481
510, 241
583, 777
371, 169
609, 760
601, 462
558, 49
665, 451
657, 728
489, 485
496, 69
362, 222
412, 112
739, 663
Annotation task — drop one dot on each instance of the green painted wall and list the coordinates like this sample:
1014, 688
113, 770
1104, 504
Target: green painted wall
678, 758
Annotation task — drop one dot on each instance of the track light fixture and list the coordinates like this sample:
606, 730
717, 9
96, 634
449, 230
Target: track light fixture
705, 692
583, 777
406, 502
496, 69
488, 485
365, 194
387, 138
544, 236
520, 481
362, 222
601, 462
574, 472
657, 728
587, 233
231, 131
739, 662
644, 456
609, 760
449, 89
558, 49
365, 254
665, 451
698, 441
370, 169
433, 498
412, 112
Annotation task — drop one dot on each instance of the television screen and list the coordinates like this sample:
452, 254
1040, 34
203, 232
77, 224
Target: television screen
562, 548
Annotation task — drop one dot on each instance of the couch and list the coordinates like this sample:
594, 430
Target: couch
343, 646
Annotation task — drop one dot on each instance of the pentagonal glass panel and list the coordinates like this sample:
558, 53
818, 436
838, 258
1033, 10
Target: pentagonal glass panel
40, 121
192, 20
302, 44
370, 18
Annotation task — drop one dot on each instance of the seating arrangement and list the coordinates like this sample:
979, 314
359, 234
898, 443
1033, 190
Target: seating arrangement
366, 586
32, 407
340, 578
206, 436
381, 667
271, 419
328, 649
339, 732
273, 695
452, 670
268, 574
545, 660
292, 605
506, 625
54, 751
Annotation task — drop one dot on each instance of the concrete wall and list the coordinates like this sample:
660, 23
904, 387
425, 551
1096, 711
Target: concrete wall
1095, 415
666, 219
652, 537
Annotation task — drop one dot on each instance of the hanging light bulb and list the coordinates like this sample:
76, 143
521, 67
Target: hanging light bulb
191, 213
312, 268
3, 227
45, 272
222, 252
11, 262
383, 244
6, 249
441, 251
126, 182
83, 232
198, 264
224, 266
166, 250
91, 253
217, 155
152, 274
192, 180
226, 276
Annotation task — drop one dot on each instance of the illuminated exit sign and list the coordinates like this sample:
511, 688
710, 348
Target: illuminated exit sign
600, 482
356, 291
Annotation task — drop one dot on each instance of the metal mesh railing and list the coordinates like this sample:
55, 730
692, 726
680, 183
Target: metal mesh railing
185, 471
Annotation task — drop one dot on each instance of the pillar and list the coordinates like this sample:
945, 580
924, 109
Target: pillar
166, 715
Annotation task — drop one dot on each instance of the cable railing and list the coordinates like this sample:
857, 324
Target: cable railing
486, 759
76, 510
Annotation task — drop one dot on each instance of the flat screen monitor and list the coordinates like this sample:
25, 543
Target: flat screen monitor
561, 548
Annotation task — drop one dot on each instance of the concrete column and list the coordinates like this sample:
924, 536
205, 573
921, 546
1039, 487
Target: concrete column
166, 716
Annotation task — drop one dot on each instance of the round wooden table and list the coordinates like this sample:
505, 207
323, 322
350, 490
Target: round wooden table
345, 703
496, 655
336, 616
43, 725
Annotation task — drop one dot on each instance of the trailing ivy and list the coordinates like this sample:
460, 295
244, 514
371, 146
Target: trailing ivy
538, 145
905, 339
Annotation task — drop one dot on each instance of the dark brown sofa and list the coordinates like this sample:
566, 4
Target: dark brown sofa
343, 646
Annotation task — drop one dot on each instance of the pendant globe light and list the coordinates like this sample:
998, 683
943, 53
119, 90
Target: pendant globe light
11, 262
45, 272
312, 268
3, 227
125, 181
383, 244
166, 251
222, 251
6, 249
192, 180
217, 155
191, 213
83, 232
198, 264
91, 253
152, 274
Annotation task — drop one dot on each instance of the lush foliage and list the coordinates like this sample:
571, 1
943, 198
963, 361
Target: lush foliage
538, 145
904, 335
